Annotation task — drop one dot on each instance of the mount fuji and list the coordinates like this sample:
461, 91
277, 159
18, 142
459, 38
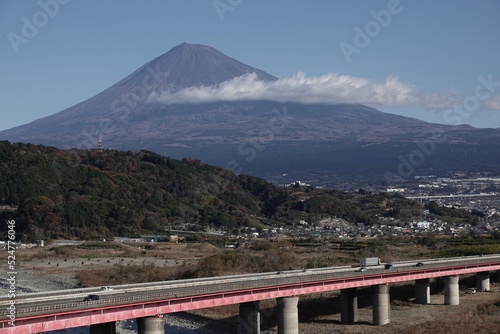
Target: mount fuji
276, 139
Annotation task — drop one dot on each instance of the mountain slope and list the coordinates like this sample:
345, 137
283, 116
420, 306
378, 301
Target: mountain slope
187, 65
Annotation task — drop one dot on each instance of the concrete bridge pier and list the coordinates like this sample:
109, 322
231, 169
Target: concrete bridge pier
451, 294
288, 315
381, 304
103, 328
422, 291
348, 306
483, 281
151, 325
249, 318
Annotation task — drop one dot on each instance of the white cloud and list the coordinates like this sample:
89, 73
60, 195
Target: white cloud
493, 103
329, 88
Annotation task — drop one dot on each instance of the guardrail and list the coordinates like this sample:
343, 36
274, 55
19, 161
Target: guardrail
153, 286
71, 293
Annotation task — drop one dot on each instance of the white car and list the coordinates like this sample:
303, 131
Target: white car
106, 288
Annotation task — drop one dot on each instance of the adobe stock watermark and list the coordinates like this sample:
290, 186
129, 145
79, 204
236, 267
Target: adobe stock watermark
373, 28
123, 105
120, 108
453, 116
11, 273
31, 26
471, 103
415, 158
249, 149
223, 6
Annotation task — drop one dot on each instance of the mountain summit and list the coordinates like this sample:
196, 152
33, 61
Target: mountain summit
194, 65
188, 65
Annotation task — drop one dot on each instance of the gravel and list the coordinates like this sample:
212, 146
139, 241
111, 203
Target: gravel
36, 281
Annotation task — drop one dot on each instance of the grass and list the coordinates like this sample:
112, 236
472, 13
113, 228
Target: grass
484, 318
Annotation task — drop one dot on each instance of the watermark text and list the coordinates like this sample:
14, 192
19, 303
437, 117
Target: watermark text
31, 26
11, 273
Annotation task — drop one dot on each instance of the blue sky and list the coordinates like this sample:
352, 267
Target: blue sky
432, 60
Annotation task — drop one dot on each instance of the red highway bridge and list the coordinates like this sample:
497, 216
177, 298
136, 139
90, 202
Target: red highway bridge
47, 311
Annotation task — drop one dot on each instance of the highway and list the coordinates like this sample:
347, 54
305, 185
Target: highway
35, 304
453, 196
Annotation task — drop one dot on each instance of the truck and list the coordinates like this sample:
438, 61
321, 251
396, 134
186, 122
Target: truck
369, 261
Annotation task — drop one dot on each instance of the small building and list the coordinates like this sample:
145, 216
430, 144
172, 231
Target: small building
395, 190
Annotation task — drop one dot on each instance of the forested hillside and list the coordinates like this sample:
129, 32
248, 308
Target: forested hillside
90, 194
53, 193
